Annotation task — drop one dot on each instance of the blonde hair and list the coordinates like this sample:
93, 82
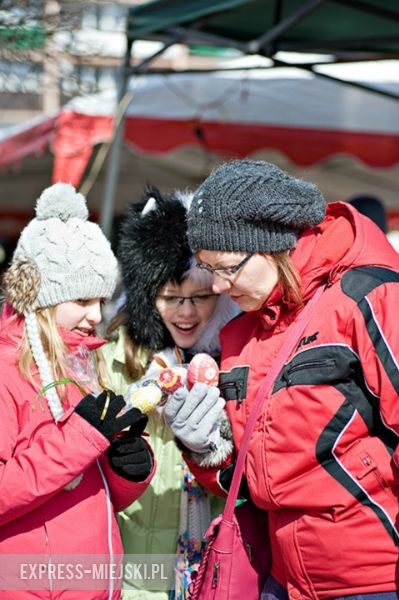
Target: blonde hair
133, 365
289, 279
55, 349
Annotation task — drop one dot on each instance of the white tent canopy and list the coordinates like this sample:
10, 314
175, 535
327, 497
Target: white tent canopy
344, 138
180, 126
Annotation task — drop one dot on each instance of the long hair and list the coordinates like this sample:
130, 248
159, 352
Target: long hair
52, 344
289, 279
55, 349
133, 351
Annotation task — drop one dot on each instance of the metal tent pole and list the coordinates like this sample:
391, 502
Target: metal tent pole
113, 164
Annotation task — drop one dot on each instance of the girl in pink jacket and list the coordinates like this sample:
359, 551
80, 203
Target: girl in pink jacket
65, 466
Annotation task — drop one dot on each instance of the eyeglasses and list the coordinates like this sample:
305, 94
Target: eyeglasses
224, 272
175, 301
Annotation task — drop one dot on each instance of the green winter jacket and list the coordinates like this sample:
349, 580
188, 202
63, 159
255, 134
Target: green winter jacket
151, 524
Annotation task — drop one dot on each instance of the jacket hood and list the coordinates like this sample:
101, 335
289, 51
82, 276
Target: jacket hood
324, 253
345, 239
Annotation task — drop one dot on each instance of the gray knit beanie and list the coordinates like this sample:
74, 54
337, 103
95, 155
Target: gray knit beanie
60, 257
252, 206
71, 256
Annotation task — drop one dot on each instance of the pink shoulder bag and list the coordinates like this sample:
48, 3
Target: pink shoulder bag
236, 560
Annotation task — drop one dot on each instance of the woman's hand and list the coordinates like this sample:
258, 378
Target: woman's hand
194, 417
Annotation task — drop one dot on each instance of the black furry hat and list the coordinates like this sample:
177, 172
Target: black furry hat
153, 249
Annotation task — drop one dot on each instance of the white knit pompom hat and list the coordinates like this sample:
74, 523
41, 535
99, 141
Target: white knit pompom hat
60, 257
72, 255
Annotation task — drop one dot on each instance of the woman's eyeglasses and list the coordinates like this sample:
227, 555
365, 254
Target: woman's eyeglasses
175, 301
224, 272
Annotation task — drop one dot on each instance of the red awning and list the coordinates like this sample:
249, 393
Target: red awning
236, 114
32, 137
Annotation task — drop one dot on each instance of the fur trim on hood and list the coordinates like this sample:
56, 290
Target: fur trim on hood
153, 249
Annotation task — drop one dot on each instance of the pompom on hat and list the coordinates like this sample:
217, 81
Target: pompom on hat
252, 206
60, 257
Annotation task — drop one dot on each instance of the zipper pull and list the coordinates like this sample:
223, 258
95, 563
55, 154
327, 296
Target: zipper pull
285, 376
215, 576
249, 551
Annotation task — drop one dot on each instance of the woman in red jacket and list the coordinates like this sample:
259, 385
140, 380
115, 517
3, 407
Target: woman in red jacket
323, 456
64, 466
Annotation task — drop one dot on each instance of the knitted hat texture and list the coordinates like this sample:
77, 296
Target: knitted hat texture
252, 206
60, 257
69, 256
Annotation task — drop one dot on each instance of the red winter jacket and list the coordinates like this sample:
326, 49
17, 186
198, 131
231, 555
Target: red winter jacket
321, 458
38, 516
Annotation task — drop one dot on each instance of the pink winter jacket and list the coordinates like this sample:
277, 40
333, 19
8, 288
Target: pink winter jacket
38, 516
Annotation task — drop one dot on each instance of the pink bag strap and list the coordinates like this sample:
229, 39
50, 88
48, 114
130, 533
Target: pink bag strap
284, 353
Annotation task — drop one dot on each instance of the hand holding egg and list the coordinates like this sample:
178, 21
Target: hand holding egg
152, 392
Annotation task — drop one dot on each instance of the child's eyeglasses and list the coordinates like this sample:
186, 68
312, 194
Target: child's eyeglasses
175, 301
224, 272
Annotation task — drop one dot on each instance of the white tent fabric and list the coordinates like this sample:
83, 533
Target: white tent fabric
344, 138
179, 126
281, 96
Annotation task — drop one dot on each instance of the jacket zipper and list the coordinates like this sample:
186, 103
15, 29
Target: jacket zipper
309, 365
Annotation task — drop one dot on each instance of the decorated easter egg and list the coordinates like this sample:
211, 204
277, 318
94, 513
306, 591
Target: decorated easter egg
145, 398
169, 380
202, 368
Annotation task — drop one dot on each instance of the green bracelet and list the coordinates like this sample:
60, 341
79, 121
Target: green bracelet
61, 382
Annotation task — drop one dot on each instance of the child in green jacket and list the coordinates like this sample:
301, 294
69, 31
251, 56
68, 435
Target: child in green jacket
169, 314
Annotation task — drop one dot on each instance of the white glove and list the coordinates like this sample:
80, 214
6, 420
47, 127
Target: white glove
194, 416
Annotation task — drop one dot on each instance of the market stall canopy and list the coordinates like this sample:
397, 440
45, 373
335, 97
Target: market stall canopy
290, 112
339, 29
344, 28
180, 126
26, 139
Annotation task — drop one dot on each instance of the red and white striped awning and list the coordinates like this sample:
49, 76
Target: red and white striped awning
236, 114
